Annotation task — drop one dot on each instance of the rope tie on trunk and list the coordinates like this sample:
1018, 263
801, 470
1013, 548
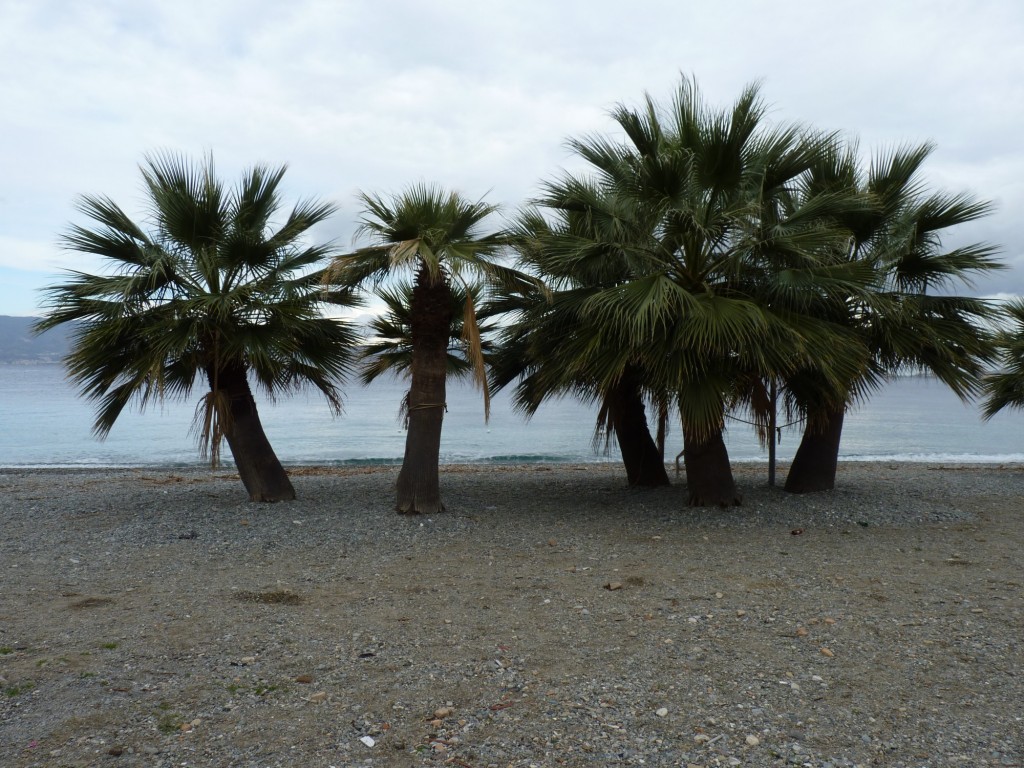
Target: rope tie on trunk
778, 429
423, 406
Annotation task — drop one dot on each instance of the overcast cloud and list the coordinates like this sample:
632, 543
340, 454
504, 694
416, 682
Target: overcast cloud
475, 95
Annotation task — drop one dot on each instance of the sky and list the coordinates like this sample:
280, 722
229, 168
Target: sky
476, 95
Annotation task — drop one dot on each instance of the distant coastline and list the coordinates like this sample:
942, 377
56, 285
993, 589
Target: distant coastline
20, 345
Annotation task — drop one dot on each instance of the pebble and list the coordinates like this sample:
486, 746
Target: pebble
367, 740
744, 730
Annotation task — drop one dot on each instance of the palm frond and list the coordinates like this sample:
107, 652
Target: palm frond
210, 285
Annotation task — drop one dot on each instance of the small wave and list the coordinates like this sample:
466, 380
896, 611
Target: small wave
365, 461
938, 458
539, 458
100, 464
509, 458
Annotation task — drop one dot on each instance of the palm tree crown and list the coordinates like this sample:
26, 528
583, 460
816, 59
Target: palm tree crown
911, 316
681, 261
436, 235
213, 288
390, 348
1004, 387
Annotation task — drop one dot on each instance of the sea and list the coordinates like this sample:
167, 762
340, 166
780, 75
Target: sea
45, 423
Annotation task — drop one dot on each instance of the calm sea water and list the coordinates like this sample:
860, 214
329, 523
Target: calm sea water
44, 423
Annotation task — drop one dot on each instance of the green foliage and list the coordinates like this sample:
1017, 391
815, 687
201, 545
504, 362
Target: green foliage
910, 317
436, 235
16, 690
169, 723
213, 285
712, 253
390, 348
1004, 387
678, 256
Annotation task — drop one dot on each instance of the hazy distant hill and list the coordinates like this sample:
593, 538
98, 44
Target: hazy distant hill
19, 345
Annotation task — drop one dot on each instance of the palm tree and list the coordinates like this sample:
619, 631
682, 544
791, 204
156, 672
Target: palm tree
1004, 388
910, 318
436, 235
391, 350
680, 250
551, 348
213, 290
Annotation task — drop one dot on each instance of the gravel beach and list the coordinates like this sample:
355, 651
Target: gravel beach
551, 617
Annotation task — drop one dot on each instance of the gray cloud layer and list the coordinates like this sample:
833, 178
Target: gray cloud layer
479, 96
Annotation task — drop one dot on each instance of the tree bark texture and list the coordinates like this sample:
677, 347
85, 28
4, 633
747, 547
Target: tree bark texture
814, 465
709, 477
645, 463
258, 466
419, 489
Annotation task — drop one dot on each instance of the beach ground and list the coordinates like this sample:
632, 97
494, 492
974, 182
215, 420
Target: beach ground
551, 617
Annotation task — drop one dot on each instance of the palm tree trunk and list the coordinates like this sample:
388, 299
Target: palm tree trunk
814, 466
645, 463
419, 489
261, 472
708, 472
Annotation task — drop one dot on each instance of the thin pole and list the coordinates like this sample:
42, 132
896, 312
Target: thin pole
772, 429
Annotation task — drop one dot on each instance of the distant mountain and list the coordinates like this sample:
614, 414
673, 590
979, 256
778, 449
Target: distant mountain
18, 344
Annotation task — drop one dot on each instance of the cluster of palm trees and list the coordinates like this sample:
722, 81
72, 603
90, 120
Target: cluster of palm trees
704, 264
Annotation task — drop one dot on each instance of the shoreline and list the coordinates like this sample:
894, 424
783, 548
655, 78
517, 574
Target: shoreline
486, 464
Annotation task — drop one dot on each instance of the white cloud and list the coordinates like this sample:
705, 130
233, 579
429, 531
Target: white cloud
480, 96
